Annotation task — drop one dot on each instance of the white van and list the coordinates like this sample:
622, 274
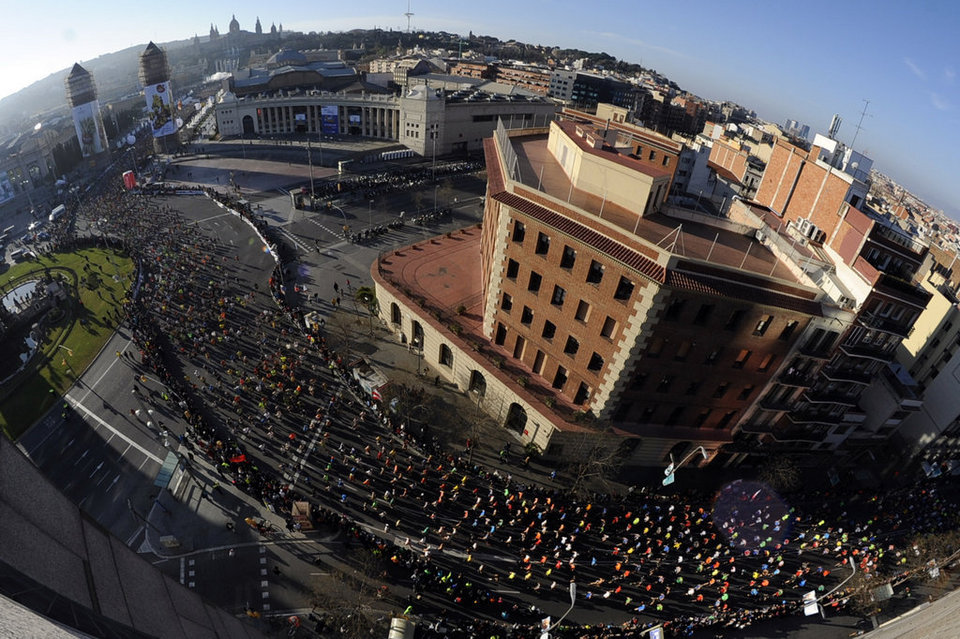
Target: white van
57, 212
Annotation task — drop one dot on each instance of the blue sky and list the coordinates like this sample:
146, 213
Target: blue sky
805, 61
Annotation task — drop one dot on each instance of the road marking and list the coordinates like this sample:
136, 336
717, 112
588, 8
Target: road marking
192, 584
263, 550
266, 606
134, 536
124, 453
115, 480
78, 405
264, 584
263, 572
263, 560
182, 562
192, 573
96, 470
80, 458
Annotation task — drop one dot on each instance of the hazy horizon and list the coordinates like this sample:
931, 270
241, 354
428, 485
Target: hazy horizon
765, 57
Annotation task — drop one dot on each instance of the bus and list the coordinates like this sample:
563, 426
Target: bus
57, 212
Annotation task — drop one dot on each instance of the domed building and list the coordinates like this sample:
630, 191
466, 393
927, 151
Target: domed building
234, 25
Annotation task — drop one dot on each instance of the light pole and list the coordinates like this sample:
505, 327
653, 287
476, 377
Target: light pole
670, 471
66, 363
435, 187
419, 347
546, 626
370, 213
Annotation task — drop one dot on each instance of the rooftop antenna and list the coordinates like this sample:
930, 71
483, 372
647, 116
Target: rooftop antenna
863, 114
409, 15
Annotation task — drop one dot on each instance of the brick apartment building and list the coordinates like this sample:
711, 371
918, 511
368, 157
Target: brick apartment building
599, 312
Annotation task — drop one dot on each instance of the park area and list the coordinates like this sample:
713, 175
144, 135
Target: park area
62, 307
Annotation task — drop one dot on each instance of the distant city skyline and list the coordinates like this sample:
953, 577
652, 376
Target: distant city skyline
804, 67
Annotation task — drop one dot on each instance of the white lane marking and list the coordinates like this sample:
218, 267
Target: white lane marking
182, 562
96, 470
78, 405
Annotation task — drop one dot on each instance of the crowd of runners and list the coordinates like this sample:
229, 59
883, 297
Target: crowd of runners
274, 410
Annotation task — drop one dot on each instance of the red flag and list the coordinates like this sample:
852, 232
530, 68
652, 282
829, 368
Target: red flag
238, 459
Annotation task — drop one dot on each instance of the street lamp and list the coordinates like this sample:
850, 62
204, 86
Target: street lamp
671, 470
370, 212
546, 626
417, 344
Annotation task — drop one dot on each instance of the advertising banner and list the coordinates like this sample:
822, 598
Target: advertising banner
86, 120
6, 189
159, 111
330, 119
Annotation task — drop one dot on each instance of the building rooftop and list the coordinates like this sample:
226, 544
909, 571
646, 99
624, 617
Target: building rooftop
718, 242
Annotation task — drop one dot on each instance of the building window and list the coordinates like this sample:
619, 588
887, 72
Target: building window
674, 416
788, 331
727, 417
647, 414
560, 379
713, 356
666, 160
595, 274
762, 325
583, 394
655, 348
543, 244
683, 351
572, 346
501, 335
526, 317
746, 392
559, 295
538, 362
569, 257
507, 302
549, 330
703, 314
513, 267
665, 383
742, 358
693, 388
519, 231
624, 289
652, 156
596, 362
721, 390
766, 362
583, 311
609, 326
534, 284
733, 322
702, 417
446, 355
674, 309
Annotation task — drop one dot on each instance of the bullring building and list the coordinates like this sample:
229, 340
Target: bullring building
294, 95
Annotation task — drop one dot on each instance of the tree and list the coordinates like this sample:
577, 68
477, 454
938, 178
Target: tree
367, 297
780, 473
353, 597
596, 469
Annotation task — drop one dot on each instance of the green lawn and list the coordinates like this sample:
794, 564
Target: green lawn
81, 331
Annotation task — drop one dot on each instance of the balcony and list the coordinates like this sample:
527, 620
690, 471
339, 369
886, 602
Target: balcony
851, 376
815, 351
795, 378
813, 417
779, 405
829, 397
884, 324
867, 351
